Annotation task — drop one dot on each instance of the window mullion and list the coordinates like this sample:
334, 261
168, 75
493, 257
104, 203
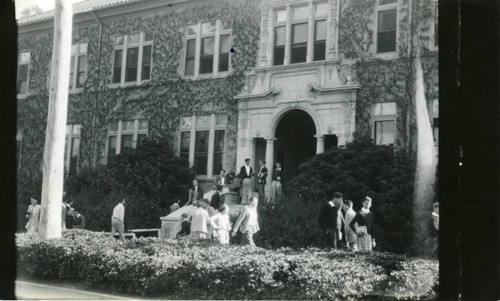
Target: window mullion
68, 147
270, 40
139, 59
197, 52
118, 138
124, 60
216, 47
134, 135
211, 142
288, 35
191, 141
310, 33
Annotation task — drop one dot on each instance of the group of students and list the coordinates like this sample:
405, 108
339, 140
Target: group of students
205, 222
70, 218
338, 216
246, 174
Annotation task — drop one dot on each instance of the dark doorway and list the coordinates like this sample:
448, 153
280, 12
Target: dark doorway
295, 142
330, 141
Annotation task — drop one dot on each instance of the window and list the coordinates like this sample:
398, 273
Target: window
436, 24
78, 66
72, 148
133, 58
208, 47
206, 152
23, 72
124, 135
384, 116
302, 47
386, 26
19, 149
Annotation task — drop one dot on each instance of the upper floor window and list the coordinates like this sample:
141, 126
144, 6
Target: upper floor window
78, 66
306, 44
386, 26
23, 72
202, 142
208, 46
133, 57
72, 149
127, 134
384, 119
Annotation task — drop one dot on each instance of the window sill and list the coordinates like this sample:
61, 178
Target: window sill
23, 96
75, 91
208, 76
127, 84
298, 65
387, 55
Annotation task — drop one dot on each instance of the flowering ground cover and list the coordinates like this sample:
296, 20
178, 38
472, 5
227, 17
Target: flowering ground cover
204, 270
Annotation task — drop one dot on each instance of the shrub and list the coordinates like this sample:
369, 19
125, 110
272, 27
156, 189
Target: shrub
358, 169
151, 177
204, 270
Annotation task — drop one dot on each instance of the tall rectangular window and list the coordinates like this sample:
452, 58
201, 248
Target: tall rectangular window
78, 66
23, 72
386, 26
320, 14
206, 154
436, 24
279, 45
224, 48
201, 152
134, 54
72, 151
384, 116
208, 47
19, 149
299, 43
125, 135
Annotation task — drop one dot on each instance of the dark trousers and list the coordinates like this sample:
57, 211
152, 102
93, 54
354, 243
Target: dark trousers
262, 193
331, 238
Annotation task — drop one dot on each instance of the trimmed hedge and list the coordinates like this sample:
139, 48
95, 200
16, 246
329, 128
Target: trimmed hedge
203, 270
151, 177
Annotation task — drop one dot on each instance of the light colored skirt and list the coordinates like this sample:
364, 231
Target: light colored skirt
198, 235
365, 242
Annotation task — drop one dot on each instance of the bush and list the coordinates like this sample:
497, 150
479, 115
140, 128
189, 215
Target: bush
204, 270
357, 170
151, 177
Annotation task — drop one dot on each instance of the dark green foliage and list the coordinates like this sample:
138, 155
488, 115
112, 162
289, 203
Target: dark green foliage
357, 170
204, 270
151, 177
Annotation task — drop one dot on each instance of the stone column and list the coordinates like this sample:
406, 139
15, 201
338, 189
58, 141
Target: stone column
269, 163
320, 144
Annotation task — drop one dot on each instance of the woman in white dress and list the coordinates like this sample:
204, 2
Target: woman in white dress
220, 225
33, 215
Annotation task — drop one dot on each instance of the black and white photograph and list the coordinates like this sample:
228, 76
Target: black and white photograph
236, 149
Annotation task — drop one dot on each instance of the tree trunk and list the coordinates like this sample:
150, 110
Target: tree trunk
53, 157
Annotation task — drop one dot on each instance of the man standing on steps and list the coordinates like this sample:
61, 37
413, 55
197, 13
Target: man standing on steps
246, 174
118, 220
276, 184
261, 178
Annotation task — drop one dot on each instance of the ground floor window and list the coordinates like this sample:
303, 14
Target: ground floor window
125, 135
19, 149
72, 148
202, 142
384, 123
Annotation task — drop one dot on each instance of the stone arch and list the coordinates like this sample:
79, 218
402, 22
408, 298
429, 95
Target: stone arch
279, 114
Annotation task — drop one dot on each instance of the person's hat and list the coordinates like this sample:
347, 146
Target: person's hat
247, 159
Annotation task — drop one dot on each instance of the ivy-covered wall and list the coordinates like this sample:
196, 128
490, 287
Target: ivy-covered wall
162, 100
389, 79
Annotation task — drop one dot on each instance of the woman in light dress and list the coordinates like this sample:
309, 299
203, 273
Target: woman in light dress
33, 215
220, 225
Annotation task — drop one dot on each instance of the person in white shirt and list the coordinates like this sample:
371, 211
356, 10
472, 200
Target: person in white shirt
247, 223
350, 236
33, 214
246, 174
221, 225
199, 220
118, 220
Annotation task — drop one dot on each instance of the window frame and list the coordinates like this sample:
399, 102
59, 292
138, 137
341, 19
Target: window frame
120, 132
310, 20
20, 63
198, 37
70, 135
124, 47
435, 23
76, 53
386, 7
192, 128
381, 118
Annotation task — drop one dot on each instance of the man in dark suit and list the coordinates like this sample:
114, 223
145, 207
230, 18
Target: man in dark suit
329, 220
261, 179
246, 173
216, 200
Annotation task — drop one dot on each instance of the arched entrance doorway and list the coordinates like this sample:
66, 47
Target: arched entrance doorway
295, 141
